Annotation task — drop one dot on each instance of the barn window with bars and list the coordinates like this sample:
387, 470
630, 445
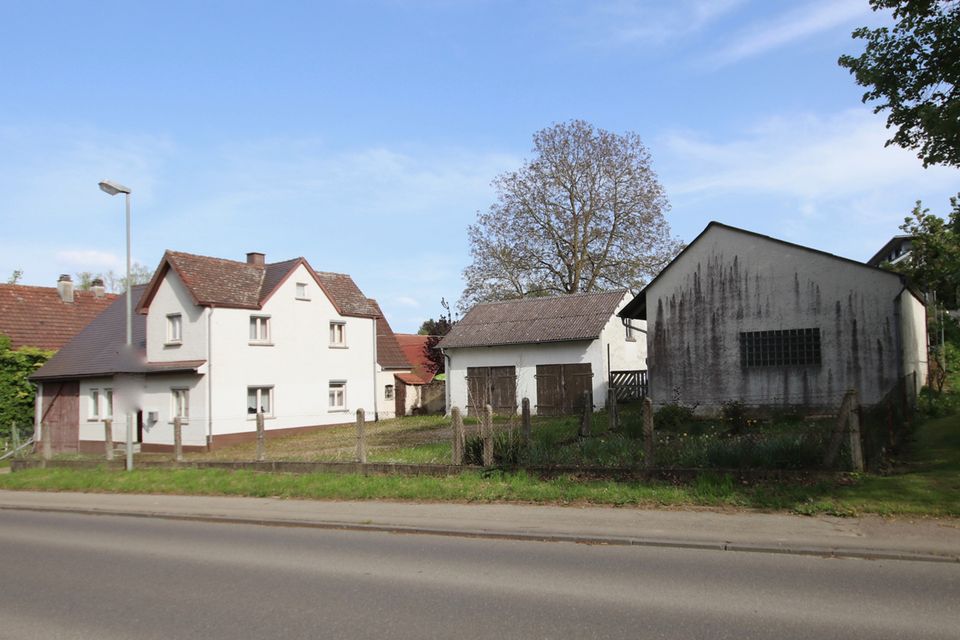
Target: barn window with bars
786, 347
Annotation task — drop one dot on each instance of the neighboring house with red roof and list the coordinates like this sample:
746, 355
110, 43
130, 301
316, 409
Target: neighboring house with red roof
48, 317
216, 341
421, 393
550, 350
391, 363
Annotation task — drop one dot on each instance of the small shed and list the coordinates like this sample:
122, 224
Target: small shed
740, 316
549, 350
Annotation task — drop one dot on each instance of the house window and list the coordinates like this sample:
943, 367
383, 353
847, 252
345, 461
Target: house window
108, 403
174, 328
338, 395
260, 399
180, 403
338, 334
260, 329
302, 291
388, 392
94, 404
788, 347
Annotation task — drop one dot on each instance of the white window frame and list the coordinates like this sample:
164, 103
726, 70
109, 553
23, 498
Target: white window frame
107, 403
389, 392
338, 387
176, 394
302, 291
260, 330
174, 328
259, 391
338, 334
94, 405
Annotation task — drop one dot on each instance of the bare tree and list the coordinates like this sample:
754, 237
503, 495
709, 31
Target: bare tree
585, 214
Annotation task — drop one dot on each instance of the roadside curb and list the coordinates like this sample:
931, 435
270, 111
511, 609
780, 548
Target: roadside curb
861, 553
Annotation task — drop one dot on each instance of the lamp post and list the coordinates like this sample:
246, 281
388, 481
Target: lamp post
113, 188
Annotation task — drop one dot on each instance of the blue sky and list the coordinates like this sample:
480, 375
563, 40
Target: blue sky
364, 135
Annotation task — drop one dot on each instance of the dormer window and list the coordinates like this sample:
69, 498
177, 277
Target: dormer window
174, 328
259, 329
302, 291
338, 334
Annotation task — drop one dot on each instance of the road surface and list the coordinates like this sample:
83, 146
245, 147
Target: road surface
105, 577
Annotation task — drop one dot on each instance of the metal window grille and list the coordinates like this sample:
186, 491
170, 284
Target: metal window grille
780, 348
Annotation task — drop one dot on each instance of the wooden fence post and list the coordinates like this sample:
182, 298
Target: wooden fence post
587, 416
108, 438
456, 419
613, 412
361, 437
486, 435
527, 427
46, 438
833, 448
649, 450
177, 439
853, 425
261, 438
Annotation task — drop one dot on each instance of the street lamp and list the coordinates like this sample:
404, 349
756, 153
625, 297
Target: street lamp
113, 188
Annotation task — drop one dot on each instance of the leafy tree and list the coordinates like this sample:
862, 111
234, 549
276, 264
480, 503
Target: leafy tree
585, 214
16, 392
15, 276
913, 71
112, 281
934, 260
435, 330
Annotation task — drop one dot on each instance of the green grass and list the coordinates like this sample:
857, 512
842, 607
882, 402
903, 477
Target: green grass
927, 483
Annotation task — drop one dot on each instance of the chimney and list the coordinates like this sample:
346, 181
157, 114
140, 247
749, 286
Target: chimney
256, 259
99, 291
65, 287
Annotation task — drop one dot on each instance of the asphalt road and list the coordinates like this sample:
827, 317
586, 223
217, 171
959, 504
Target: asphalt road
105, 577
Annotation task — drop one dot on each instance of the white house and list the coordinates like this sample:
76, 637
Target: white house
391, 362
740, 316
214, 342
549, 350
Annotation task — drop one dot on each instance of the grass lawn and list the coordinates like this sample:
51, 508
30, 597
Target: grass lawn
927, 483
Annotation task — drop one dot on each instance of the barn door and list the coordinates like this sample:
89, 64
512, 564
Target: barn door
560, 388
399, 398
496, 386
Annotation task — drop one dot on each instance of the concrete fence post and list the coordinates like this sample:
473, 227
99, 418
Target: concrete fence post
613, 412
649, 450
456, 420
836, 439
527, 426
361, 437
46, 438
261, 438
108, 439
486, 435
853, 425
15, 437
177, 439
587, 416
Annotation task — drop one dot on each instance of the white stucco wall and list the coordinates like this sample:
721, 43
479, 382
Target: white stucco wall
172, 297
387, 408
730, 282
913, 318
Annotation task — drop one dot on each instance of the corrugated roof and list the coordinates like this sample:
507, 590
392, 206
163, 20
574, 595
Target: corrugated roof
389, 354
100, 349
37, 317
535, 320
413, 346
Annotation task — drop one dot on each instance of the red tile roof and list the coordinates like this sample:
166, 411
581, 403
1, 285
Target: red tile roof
389, 354
413, 346
231, 283
37, 317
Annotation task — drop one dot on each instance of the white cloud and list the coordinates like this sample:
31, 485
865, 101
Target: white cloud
88, 259
796, 24
646, 22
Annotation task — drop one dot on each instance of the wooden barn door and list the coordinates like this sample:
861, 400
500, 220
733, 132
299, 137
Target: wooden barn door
560, 388
496, 386
400, 398
61, 414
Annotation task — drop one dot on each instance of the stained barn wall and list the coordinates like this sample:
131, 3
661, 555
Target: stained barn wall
730, 282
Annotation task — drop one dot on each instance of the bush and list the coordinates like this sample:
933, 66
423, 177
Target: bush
16, 392
734, 414
508, 448
671, 417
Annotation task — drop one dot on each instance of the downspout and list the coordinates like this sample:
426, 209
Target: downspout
376, 387
209, 376
626, 323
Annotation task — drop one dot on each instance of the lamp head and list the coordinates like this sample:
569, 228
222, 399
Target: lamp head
113, 188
